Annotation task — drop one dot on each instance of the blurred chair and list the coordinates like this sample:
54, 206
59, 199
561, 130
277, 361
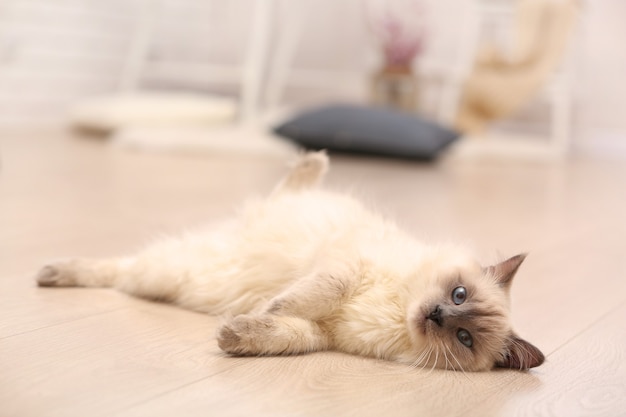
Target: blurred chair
131, 105
182, 121
494, 82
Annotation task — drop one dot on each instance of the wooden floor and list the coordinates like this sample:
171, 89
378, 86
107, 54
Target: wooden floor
78, 352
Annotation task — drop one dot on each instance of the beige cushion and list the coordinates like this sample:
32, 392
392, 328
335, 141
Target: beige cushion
156, 109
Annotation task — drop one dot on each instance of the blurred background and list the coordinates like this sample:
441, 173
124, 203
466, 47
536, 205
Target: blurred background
549, 73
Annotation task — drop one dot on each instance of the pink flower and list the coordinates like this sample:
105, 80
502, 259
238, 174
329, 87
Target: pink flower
399, 26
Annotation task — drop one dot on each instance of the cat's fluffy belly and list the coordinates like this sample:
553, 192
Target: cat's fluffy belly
307, 270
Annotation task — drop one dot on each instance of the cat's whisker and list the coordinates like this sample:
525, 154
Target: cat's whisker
448, 361
436, 360
459, 363
430, 352
413, 365
455, 359
421, 357
416, 363
427, 360
445, 356
409, 369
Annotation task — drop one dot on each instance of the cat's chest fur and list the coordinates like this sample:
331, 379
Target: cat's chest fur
373, 322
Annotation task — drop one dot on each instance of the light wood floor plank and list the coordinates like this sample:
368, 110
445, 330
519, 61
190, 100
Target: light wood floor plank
98, 364
31, 309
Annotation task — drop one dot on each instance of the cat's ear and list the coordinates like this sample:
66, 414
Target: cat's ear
520, 354
505, 270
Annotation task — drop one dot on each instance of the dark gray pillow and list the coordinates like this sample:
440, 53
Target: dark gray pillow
369, 130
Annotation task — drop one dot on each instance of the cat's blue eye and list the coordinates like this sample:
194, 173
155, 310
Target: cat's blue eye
459, 294
465, 337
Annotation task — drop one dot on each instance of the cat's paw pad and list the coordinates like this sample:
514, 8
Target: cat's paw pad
244, 335
227, 339
56, 275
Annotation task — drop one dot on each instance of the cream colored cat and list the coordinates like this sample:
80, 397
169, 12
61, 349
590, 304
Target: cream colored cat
308, 270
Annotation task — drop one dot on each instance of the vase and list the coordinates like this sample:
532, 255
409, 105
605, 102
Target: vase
395, 87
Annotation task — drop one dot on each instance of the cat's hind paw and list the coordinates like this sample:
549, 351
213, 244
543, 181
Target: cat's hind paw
56, 275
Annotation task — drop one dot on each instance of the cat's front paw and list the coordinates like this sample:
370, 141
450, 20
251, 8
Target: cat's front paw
56, 275
245, 335
227, 339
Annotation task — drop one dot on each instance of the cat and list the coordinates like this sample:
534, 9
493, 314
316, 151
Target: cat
307, 270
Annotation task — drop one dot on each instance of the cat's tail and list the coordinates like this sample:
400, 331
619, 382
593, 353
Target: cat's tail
307, 172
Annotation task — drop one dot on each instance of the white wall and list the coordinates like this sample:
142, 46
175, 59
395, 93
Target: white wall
601, 78
53, 52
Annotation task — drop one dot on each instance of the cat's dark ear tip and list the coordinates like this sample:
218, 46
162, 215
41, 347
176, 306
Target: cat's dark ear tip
521, 355
518, 259
504, 271
540, 360
537, 359
515, 364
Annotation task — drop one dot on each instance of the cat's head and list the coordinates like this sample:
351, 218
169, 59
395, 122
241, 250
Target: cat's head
462, 320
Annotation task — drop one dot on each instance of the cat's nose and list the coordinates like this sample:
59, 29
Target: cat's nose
435, 316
